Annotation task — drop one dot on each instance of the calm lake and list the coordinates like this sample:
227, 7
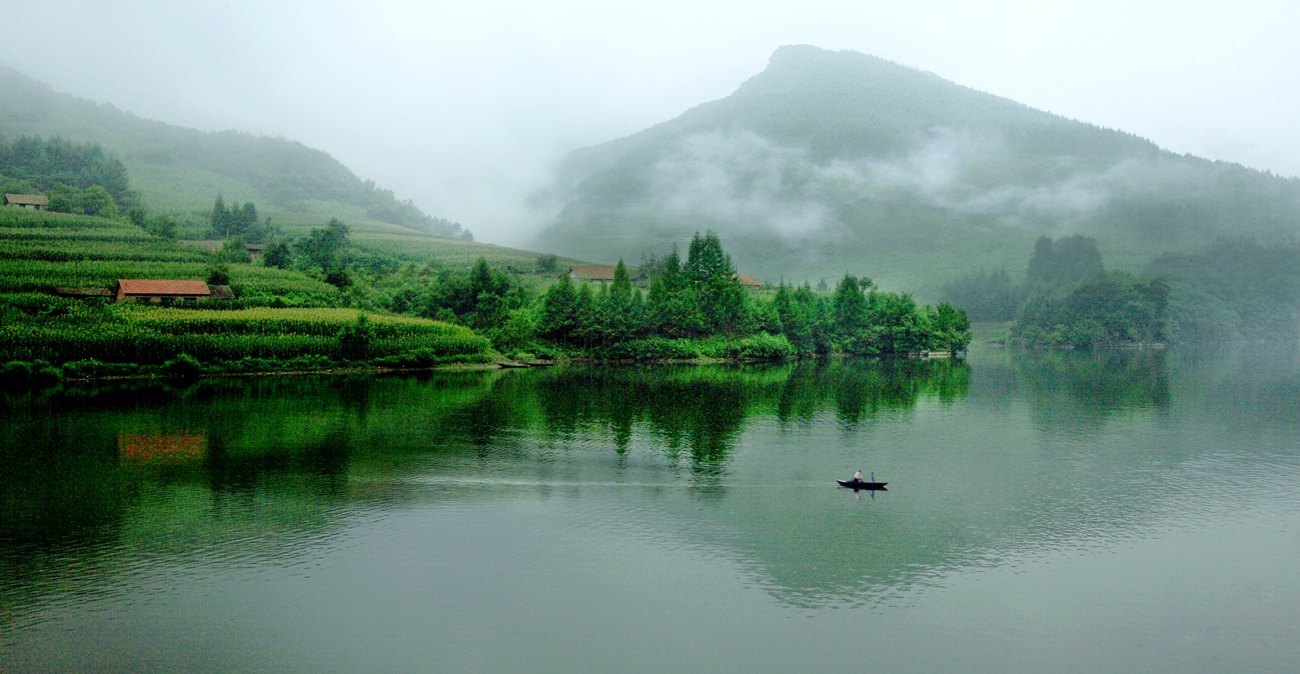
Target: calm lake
1122, 511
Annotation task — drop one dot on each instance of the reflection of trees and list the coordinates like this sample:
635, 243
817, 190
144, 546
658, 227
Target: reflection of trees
58, 482
1095, 384
697, 409
257, 429
703, 409
859, 390
241, 461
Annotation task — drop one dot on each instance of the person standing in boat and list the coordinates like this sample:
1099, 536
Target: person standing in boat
873, 476
857, 475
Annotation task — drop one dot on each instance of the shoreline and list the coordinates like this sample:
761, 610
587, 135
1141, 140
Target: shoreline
498, 364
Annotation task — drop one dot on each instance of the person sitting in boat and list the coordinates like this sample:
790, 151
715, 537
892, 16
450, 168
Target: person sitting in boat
857, 476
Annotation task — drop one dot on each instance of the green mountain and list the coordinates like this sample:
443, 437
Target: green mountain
833, 162
179, 169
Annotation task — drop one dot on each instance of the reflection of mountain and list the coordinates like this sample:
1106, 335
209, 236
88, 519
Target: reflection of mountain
1017, 453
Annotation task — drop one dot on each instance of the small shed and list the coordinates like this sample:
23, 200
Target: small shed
148, 290
221, 292
33, 201
749, 281
599, 273
255, 250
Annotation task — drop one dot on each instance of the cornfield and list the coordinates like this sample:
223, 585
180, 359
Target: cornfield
42, 250
150, 335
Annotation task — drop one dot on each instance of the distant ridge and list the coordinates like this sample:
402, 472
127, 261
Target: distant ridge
183, 169
828, 162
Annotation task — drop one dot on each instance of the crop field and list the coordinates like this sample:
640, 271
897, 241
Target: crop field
41, 250
22, 218
69, 330
74, 250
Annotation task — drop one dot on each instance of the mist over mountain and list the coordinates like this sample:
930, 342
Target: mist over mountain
175, 168
833, 162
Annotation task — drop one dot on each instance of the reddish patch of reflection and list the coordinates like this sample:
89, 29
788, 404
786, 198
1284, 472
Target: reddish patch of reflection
174, 448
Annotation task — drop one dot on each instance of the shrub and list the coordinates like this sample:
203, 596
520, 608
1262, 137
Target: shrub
355, 339
762, 346
183, 366
651, 348
218, 275
46, 375
16, 373
93, 369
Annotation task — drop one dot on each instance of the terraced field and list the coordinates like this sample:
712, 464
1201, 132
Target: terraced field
42, 251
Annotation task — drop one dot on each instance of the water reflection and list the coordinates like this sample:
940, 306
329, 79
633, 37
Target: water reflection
1093, 385
985, 462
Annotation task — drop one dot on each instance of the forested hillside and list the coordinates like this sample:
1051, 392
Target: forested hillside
830, 162
175, 168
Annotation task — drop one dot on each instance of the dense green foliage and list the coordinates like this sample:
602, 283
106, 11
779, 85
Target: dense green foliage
236, 221
695, 309
1108, 308
77, 178
1070, 300
1235, 289
840, 161
702, 298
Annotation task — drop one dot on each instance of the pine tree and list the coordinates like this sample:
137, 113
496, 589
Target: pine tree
559, 316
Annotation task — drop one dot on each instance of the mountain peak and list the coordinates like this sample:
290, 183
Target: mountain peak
829, 161
802, 55
808, 67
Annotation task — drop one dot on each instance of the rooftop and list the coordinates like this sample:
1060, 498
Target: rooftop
27, 199
156, 287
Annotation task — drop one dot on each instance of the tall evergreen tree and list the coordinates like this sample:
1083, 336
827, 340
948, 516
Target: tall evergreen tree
850, 305
1064, 263
559, 317
672, 309
713, 278
619, 312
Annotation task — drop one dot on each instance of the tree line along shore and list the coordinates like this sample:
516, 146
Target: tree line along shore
324, 300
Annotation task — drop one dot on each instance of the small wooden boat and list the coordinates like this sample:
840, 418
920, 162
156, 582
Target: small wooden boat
859, 484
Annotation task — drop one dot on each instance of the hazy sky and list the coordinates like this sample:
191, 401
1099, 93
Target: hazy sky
464, 106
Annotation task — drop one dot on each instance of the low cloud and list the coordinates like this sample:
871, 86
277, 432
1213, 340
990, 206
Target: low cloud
751, 184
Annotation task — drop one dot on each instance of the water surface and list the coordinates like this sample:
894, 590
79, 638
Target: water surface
1129, 511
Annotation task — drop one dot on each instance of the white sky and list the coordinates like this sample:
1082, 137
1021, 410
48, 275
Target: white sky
464, 106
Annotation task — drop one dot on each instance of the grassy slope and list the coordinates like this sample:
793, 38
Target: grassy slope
182, 170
